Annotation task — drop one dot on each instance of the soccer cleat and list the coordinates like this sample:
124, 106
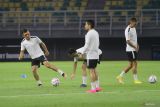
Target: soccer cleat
40, 84
83, 85
91, 91
98, 89
120, 79
137, 82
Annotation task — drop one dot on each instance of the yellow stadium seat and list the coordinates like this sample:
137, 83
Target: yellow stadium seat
108, 3
124, 13
18, 9
17, 5
71, 4
30, 4
41, 4
106, 8
84, 4
35, 4
4, 5
114, 3
11, 5
82, 8
120, 3
31, 9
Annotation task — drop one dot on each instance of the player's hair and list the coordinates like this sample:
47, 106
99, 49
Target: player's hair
133, 19
24, 31
91, 23
71, 51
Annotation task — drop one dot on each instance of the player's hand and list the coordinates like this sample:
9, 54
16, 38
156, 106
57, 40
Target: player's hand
46, 53
20, 58
72, 76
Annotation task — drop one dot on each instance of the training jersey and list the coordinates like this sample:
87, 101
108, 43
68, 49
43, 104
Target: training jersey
91, 44
130, 34
32, 46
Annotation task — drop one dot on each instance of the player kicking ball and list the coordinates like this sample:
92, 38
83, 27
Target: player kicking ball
77, 55
32, 45
132, 49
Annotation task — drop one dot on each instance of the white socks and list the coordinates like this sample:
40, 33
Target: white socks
93, 85
60, 71
39, 82
97, 83
122, 74
135, 76
84, 79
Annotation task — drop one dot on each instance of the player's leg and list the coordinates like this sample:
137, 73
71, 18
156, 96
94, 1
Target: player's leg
129, 66
121, 75
84, 75
97, 82
136, 81
92, 64
54, 68
35, 64
93, 80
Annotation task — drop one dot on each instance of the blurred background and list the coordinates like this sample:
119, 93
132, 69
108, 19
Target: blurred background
59, 23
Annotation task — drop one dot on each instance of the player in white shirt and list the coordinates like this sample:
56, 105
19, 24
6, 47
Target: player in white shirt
91, 50
32, 45
77, 55
132, 49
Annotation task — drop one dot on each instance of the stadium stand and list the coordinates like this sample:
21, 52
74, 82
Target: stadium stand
70, 14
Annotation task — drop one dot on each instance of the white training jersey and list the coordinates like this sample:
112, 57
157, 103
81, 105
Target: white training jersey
32, 46
131, 34
91, 44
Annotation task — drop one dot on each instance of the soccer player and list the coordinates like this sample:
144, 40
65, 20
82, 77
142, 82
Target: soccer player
132, 49
77, 54
32, 45
91, 50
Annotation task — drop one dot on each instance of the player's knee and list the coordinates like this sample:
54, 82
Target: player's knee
34, 70
48, 65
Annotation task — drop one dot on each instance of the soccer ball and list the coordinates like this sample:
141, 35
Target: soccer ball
152, 79
55, 82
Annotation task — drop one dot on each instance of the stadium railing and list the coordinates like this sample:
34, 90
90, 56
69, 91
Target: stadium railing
51, 21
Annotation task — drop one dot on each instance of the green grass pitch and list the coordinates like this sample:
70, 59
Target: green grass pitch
23, 92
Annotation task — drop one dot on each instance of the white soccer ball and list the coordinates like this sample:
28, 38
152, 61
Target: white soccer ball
55, 82
152, 79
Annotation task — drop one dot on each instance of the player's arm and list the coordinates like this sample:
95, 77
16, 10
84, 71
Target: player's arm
44, 48
74, 70
21, 55
132, 45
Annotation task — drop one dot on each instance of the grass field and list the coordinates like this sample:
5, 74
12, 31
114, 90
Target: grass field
23, 92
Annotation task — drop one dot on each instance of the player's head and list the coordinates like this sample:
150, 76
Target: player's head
89, 24
133, 22
26, 34
72, 52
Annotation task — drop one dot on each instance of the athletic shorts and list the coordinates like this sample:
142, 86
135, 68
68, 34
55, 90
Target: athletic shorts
132, 55
92, 63
38, 60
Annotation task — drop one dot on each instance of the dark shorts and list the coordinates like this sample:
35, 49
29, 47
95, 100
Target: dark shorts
132, 55
38, 60
99, 60
92, 63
